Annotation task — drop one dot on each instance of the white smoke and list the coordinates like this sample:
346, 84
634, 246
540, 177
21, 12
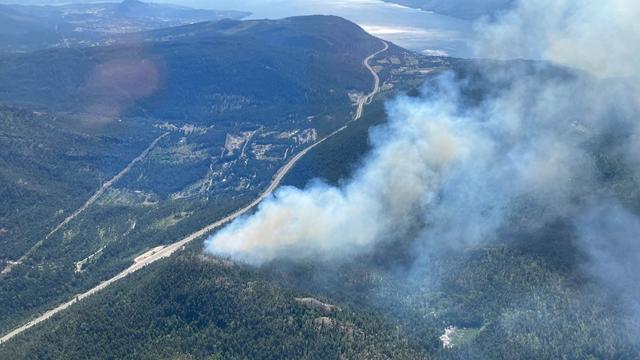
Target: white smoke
462, 170
610, 235
602, 38
410, 160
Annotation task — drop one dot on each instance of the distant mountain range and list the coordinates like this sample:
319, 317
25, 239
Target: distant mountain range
30, 27
266, 63
464, 9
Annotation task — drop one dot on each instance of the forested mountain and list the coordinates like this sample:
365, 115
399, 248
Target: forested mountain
140, 143
20, 31
198, 72
52, 164
299, 189
193, 307
30, 27
524, 296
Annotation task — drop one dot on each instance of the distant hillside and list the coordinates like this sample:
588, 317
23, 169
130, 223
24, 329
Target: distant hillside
199, 72
50, 164
22, 31
464, 9
236, 100
44, 2
125, 16
30, 27
170, 14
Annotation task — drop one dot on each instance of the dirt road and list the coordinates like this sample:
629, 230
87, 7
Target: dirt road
86, 205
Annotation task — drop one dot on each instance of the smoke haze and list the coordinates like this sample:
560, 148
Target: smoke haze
464, 161
603, 39
329, 222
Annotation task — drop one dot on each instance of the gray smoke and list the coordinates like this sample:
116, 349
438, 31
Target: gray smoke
602, 38
546, 139
611, 236
411, 159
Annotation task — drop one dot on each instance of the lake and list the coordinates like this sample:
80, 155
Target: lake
413, 29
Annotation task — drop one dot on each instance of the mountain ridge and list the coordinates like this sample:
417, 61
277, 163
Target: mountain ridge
238, 101
315, 42
463, 9
92, 23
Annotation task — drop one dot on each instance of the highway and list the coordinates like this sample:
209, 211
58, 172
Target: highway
162, 252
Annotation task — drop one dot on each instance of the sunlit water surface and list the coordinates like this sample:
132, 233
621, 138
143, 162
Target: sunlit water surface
410, 28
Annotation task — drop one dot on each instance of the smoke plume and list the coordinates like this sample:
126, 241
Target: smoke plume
601, 38
558, 138
330, 222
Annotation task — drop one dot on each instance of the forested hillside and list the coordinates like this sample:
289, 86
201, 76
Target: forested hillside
193, 307
137, 145
524, 296
50, 165
25, 27
180, 185
204, 73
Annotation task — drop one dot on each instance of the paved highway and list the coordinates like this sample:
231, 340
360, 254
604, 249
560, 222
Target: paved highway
165, 251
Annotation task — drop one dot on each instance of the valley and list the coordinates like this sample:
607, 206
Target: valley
209, 164
185, 184
162, 252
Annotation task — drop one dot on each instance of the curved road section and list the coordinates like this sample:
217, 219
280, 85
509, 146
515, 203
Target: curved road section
165, 251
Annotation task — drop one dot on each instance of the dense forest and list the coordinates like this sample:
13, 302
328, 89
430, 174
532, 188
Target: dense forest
193, 307
58, 156
525, 296
198, 119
